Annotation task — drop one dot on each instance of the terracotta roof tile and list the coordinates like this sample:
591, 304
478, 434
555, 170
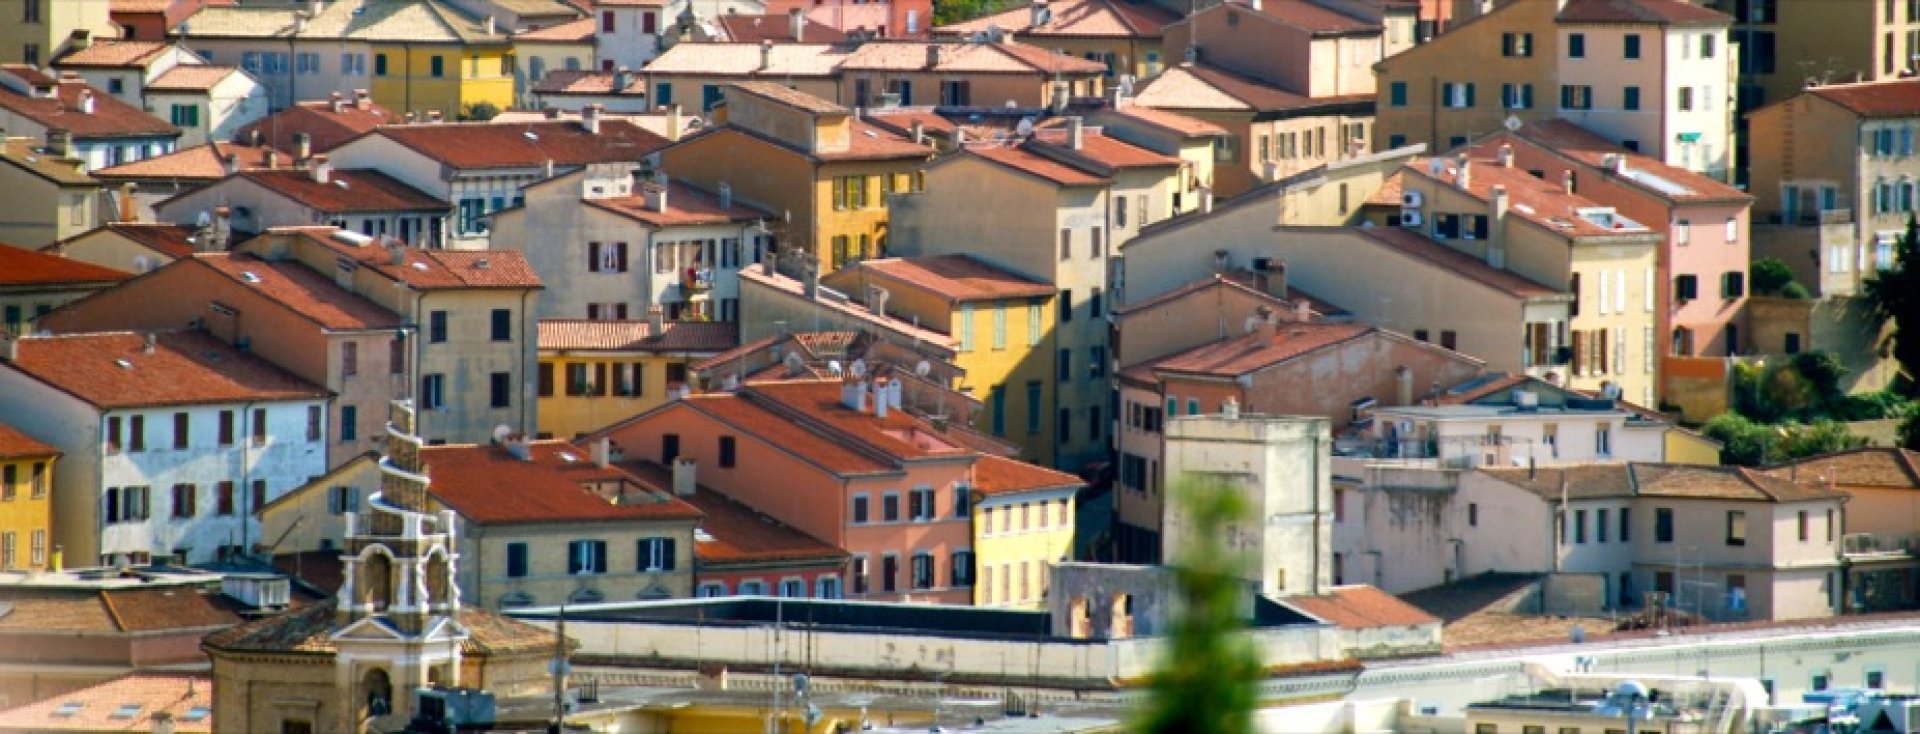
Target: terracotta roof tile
740, 535
58, 612
1074, 19
790, 97
755, 28
957, 278
754, 419
346, 190
191, 78
1584, 482
1545, 204
122, 704
199, 163
32, 75
573, 31
1361, 607
489, 486
1204, 87
1189, 126
900, 120
20, 267
1243, 281
308, 630
1309, 16
1662, 12
1033, 164
1896, 98
474, 145
1440, 256
17, 445
742, 60
111, 118
1865, 467
432, 269
1009, 57
686, 205
164, 238
391, 21
587, 82
899, 435
1664, 480
112, 54
997, 475
581, 335
866, 142
25, 154
169, 608
776, 282
1248, 352
185, 368
326, 128
1643, 172
1098, 148
302, 290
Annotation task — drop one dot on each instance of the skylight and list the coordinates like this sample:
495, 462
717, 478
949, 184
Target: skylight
197, 713
126, 711
69, 708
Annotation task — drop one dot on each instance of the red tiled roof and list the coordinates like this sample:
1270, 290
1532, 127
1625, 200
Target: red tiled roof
302, 290
581, 335
1073, 19
900, 120
794, 289
32, 75
573, 31
790, 97
997, 475
201, 163
1897, 98
195, 78
777, 430
164, 238
1361, 607
1662, 12
489, 486
109, 53
1864, 467
1249, 352
584, 81
686, 205
1578, 143
17, 445
471, 145
1188, 126
743, 60
20, 267
1106, 151
309, 631
1039, 166
1667, 480
1309, 16
1203, 87
326, 128
1547, 205
1446, 258
346, 190
957, 278
188, 698
899, 435
111, 118
866, 142
185, 368
1010, 57
432, 269
755, 28
740, 534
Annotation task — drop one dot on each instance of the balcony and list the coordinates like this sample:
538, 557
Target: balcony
697, 280
1885, 545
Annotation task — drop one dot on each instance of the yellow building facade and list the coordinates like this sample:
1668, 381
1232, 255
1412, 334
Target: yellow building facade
451, 78
596, 373
26, 504
1019, 532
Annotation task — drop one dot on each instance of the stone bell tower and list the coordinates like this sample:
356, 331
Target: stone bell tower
397, 616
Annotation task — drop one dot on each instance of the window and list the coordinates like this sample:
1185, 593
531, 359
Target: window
999, 325
860, 509
343, 500
998, 403
396, 356
31, 14
889, 573
1063, 427
965, 328
1066, 243
1685, 99
1576, 97
1033, 406
1576, 45
727, 448
1686, 288
259, 426
1096, 426
890, 507
1065, 364
259, 496
1736, 527
184, 496
922, 570
1580, 526
858, 571
1733, 284
1456, 94
663, 92
669, 448
223, 498
433, 391
1516, 96
437, 66
920, 504
500, 390
1066, 304
962, 501
1802, 524
1473, 514
1630, 98
656, 554
379, 64
587, 557
962, 569
185, 115
137, 433
1632, 46
516, 560
1663, 525
1516, 45
437, 327
316, 418
502, 325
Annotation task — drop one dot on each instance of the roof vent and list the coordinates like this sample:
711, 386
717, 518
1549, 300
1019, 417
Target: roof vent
482, 264
123, 364
249, 276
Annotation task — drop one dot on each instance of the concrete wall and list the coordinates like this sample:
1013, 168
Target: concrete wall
37, 212
1280, 464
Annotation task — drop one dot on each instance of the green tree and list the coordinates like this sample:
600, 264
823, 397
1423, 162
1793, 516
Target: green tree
482, 112
1747, 443
1770, 274
1208, 681
1894, 294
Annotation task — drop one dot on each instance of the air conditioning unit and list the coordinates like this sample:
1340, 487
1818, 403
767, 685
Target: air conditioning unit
1412, 199
1410, 218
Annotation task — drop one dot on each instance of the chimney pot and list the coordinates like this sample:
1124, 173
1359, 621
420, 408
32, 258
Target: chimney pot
337, 101
361, 100
1506, 155
322, 169
934, 52
1567, 181
302, 146
686, 477
796, 25
656, 320
1076, 132
86, 101
590, 118
766, 55
726, 195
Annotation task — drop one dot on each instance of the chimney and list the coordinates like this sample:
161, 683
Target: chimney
1206, 199
80, 38
602, 452
1620, 164
86, 101
1567, 181
796, 25
676, 125
300, 22
622, 77
655, 194
1038, 14
361, 100
1058, 103
434, 116
337, 101
551, 113
1302, 313
1506, 155
1276, 277
766, 55
302, 146
163, 722
809, 276
656, 320
882, 391
1269, 324
1253, 5
686, 476
726, 196
918, 132
853, 394
9, 347
1230, 409
934, 50
230, 162
270, 159
255, 138
1497, 228
128, 211
1076, 132
59, 142
590, 118
878, 296
516, 445
147, 343
491, 26
222, 228
410, 117
396, 253
1464, 179
322, 169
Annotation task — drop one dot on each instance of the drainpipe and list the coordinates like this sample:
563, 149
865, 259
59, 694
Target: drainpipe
245, 490
528, 339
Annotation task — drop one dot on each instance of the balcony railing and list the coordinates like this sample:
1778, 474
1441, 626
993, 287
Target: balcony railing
1880, 544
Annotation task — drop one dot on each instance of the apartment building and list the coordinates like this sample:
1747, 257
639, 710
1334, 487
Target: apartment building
164, 177
1878, 543
811, 160
417, 56
81, 122
1191, 140
1655, 76
206, 102
560, 47
358, 200
26, 505
613, 243
1002, 326
1270, 132
706, 69
811, 355
41, 30
1125, 37
741, 551
627, 33
1279, 466
468, 336
1788, 44
594, 373
50, 197
327, 123
33, 284
1024, 524
171, 441
852, 470
989, 73
481, 169
289, 314
122, 68
889, 19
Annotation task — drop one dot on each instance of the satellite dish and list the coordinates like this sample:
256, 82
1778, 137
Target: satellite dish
922, 368
833, 366
1025, 127
1513, 123
501, 432
859, 368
